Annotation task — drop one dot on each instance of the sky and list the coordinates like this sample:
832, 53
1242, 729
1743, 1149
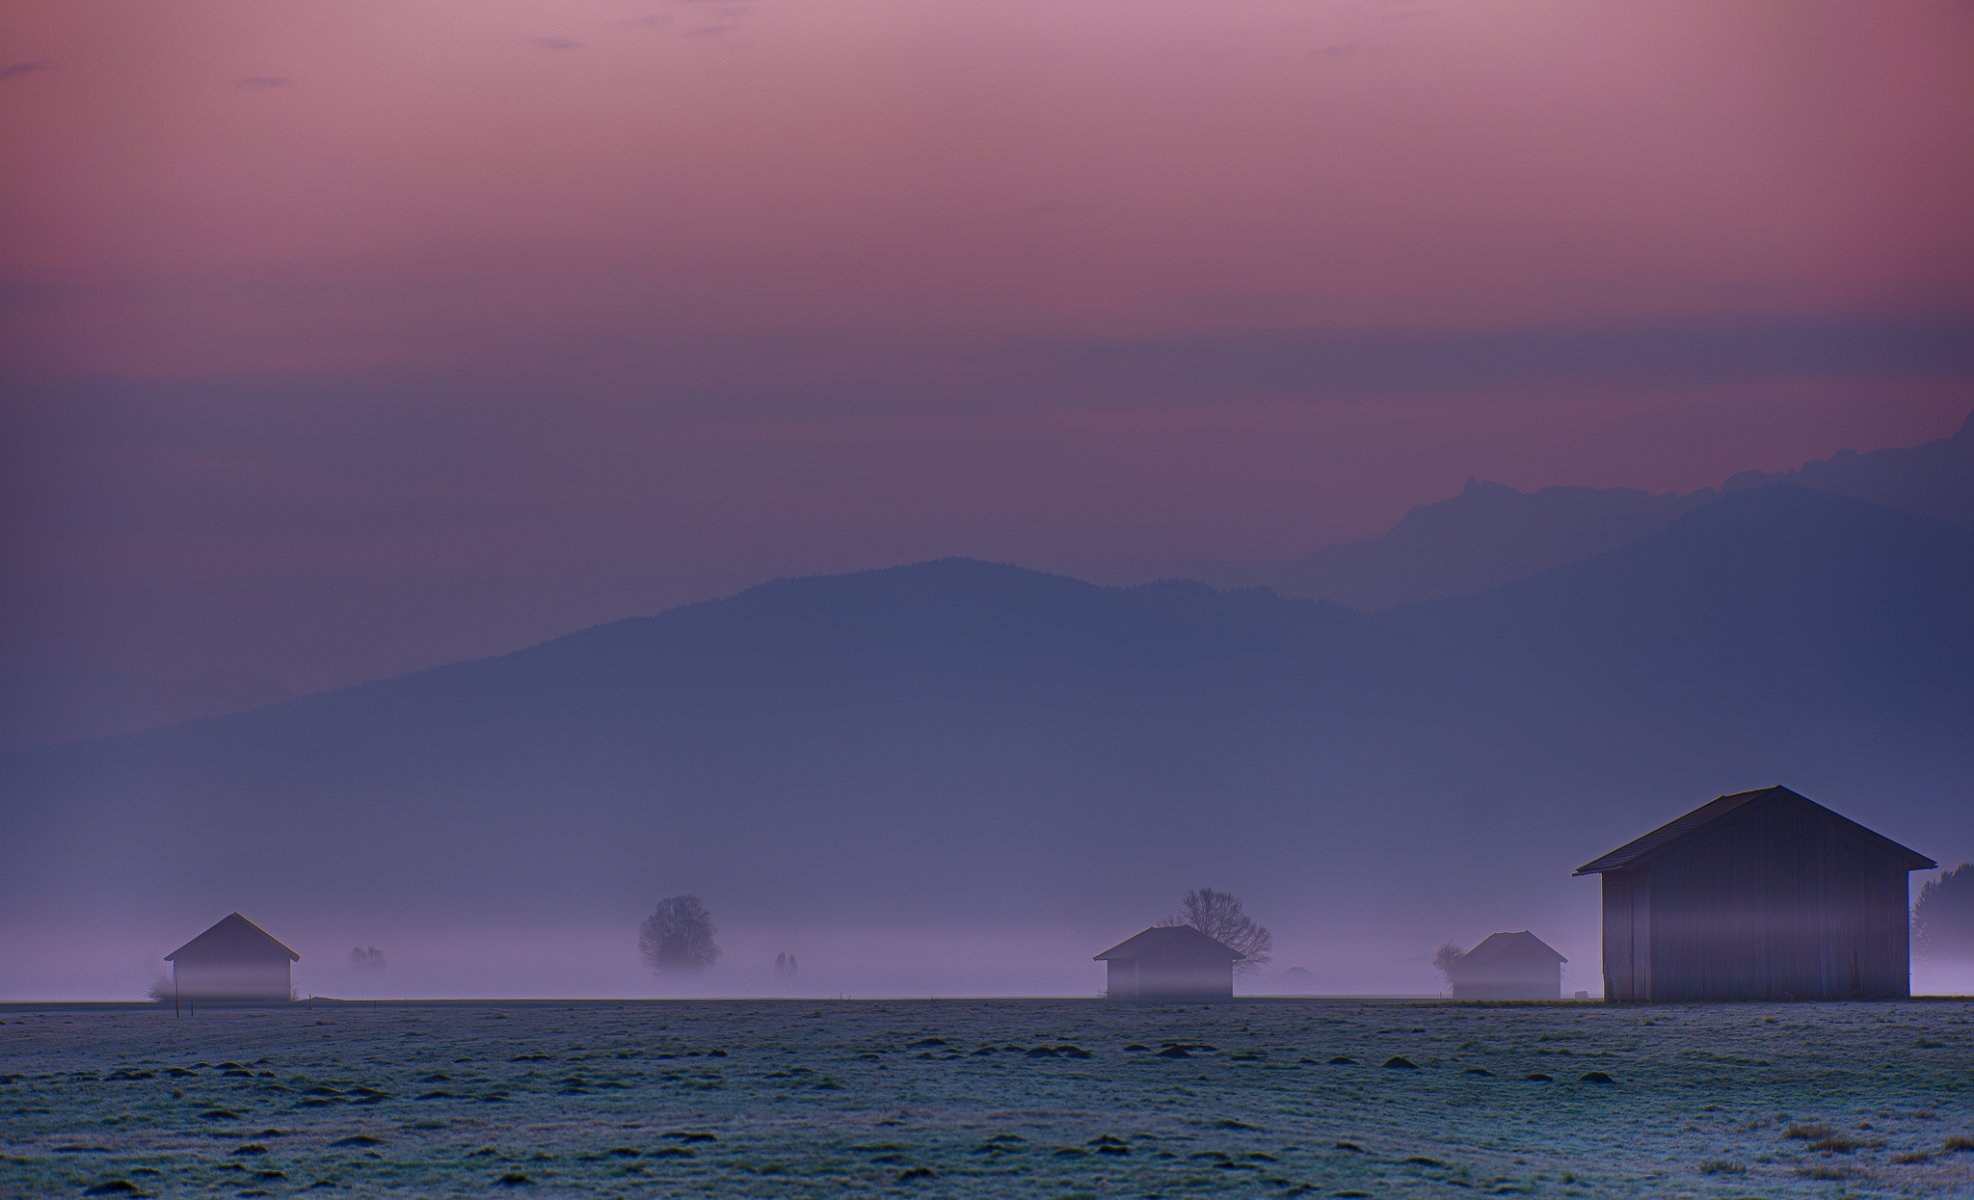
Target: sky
342, 340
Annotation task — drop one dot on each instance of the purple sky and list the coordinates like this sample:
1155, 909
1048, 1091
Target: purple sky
343, 339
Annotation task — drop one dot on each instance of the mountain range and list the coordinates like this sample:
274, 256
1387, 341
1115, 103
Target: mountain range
1491, 533
955, 745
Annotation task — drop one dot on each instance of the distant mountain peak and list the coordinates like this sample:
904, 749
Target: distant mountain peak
1490, 533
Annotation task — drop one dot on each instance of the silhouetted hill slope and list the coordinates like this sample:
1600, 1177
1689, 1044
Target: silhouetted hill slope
1777, 606
1490, 533
955, 742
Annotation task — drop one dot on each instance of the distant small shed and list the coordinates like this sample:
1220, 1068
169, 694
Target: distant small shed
1508, 966
1760, 895
234, 960
1170, 962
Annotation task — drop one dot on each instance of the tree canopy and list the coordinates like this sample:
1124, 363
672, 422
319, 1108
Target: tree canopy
1943, 916
677, 938
1444, 958
1218, 915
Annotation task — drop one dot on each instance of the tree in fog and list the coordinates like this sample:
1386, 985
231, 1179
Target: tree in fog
366, 958
1444, 958
1943, 916
1218, 915
678, 937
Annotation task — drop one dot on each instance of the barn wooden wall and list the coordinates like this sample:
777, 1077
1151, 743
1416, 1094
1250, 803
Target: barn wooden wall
1769, 905
1627, 925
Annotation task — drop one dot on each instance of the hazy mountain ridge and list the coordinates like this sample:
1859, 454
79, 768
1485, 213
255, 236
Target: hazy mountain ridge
1488, 534
1491, 533
1935, 478
968, 740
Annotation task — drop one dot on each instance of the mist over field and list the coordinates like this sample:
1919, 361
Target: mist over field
962, 778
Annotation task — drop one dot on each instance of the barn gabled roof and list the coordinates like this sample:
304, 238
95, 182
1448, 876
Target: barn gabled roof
232, 936
1643, 849
1167, 937
1515, 947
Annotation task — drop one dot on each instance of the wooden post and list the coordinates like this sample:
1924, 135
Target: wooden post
174, 992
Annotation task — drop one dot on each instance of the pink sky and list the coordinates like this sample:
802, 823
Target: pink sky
341, 339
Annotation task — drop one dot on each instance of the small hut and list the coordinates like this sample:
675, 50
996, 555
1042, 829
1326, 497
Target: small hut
1508, 966
1169, 962
235, 960
1761, 895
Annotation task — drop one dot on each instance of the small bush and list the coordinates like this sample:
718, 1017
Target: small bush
1960, 1141
1913, 1156
1808, 1130
1722, 1166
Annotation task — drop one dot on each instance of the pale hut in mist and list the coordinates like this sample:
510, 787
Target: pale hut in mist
1761, 895
236, 960
1169, 962
1508, 966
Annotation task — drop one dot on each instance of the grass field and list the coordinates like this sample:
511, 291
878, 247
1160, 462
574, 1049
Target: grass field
990, 1098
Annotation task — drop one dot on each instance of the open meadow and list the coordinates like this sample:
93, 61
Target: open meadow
1035, 1098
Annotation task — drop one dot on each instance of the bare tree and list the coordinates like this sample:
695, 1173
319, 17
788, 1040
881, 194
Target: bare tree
1218, 915
366, 958
1444, 958
678, 937
1943, 916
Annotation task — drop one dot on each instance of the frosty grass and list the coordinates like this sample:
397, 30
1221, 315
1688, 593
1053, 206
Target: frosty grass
990, 1098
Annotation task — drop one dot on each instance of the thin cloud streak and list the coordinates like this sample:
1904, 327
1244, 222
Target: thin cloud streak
21, 70
1673, 354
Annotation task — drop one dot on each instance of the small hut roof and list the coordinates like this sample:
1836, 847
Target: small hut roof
1510, 947
1161, 938
231, 937
1642, 849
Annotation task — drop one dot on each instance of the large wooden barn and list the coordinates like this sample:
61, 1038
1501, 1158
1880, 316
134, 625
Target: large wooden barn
1170, 962
1762, 895
235, 960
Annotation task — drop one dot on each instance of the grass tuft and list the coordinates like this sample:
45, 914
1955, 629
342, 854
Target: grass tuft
1844, 1143
1821, 1171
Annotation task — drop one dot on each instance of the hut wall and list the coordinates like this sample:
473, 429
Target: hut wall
1522, 985
1121, 979
255, 979
1770, 906
1178, 975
